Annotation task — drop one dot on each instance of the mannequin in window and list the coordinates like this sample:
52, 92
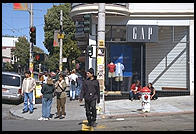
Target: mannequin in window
111, 73
119, 74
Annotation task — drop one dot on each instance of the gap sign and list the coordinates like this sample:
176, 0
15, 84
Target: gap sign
142, 33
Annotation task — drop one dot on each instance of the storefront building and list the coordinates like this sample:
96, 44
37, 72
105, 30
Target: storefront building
154, 42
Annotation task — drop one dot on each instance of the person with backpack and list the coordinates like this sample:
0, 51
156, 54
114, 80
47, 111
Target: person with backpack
60, 86
73, 78
91, 94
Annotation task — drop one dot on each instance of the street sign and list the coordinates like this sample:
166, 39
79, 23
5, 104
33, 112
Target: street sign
101, 43
64, 59
20, 6
55, 42
60, 36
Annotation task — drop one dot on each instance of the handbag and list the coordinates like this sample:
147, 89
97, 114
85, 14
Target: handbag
58, 94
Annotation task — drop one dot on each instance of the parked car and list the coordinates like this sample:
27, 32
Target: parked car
11, 87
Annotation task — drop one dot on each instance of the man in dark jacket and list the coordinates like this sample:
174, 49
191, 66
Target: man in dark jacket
91, 93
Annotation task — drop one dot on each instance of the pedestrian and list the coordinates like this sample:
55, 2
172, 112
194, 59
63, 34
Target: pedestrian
28, 86
135, 90
60, 87
79, 86
153, 95
73, 78
91, 94
57, 75
47, 91
45, 77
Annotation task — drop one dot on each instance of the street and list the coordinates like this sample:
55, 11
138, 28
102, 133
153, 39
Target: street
178, 122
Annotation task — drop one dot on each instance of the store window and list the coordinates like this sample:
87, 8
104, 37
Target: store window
108, 33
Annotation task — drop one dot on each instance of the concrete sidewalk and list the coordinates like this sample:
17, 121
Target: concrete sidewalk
114, 109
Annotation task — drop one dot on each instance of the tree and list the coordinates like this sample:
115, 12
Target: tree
52, 23
21, 51
8, 67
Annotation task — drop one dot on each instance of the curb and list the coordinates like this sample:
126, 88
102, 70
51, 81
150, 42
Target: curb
16, 116
144, 114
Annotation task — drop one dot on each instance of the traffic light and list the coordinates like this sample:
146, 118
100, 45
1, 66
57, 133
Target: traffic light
87, 23
33, 35
39, 57
90, 50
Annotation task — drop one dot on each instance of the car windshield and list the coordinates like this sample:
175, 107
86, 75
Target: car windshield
10, 80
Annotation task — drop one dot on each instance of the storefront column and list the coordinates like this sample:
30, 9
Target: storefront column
142, 71
191, 57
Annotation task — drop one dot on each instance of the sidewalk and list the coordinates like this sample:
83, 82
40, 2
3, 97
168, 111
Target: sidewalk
114, 109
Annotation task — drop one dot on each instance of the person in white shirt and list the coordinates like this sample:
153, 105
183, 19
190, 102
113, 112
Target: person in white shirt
28, 86
73, 82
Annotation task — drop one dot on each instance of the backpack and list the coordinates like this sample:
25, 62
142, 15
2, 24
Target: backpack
73, 82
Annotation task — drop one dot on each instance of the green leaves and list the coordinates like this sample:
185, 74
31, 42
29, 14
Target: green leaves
52, 23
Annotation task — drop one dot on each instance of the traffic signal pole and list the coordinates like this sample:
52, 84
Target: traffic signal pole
31, 49
31, 44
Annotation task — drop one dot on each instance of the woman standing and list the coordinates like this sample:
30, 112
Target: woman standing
60, 86
47, 91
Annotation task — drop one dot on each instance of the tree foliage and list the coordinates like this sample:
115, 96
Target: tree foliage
22, 50
52, 23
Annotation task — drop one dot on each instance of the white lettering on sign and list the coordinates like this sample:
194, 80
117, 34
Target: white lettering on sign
149, 32
142, 34
134, 33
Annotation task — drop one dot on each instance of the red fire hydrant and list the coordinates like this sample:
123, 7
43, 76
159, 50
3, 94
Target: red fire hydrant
145, 92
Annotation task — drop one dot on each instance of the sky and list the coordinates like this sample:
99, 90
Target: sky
16, 23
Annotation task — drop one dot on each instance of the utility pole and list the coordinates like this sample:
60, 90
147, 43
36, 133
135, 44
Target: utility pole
61, 41
101, 51
31, 45
31, 49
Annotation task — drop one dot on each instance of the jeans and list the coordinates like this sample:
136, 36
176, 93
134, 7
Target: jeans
46, 107
134, 96
72, 91
91, 112
28, 96
78, 90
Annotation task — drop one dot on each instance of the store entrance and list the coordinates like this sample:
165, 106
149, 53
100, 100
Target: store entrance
129, 55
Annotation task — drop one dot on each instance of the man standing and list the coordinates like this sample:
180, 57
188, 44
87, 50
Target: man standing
28, 86
91, 93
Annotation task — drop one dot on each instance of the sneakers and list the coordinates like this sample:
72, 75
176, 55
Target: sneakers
61, 117
43, 119
46, 119
24, 112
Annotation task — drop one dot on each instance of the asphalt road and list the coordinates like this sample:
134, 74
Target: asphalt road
178, 122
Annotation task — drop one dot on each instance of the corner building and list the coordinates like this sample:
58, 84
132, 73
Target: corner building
154, 41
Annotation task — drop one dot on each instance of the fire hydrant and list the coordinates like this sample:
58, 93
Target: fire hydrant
145, 99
